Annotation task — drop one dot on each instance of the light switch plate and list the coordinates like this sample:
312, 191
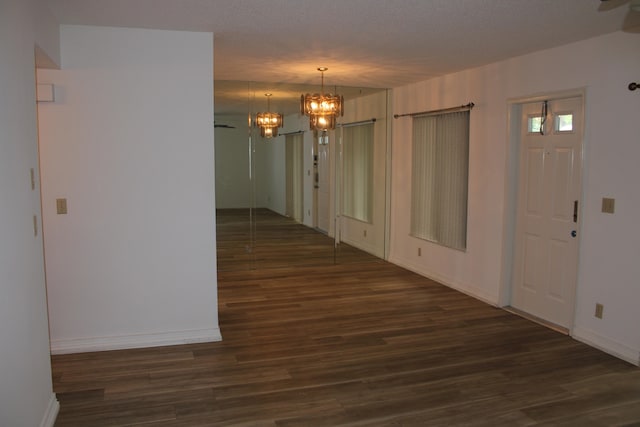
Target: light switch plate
599, 310
608, 205
61, 206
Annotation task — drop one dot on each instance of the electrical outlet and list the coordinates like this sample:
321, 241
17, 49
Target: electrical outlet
364, 232
599, 310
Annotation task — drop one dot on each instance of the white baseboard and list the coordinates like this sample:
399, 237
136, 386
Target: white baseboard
363, 246
467, 289
49, 418
616, 349
83, 345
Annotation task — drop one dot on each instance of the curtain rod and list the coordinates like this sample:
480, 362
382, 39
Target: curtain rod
467, 107
361, 122
292, 133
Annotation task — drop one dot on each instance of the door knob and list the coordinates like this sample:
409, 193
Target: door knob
573, 233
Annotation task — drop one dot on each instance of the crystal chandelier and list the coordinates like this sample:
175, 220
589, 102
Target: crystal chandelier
322, 108
268, 122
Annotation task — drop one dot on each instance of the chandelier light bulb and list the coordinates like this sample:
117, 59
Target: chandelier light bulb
322, 108
269, 122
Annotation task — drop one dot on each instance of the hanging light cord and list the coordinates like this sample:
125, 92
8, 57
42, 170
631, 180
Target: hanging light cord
545, 106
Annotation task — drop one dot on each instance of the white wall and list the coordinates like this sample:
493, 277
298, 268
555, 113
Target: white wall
129, 144
608, 267
26, 396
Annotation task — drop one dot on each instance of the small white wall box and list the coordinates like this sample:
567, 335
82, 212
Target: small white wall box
45, 93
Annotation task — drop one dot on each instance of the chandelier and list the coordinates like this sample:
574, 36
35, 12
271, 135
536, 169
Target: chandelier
268, 122
322, 108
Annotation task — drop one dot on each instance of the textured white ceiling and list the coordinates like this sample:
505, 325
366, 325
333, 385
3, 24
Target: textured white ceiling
365, 43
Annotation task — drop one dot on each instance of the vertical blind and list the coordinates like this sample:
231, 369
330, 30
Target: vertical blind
439, 178
357, 158
294, 176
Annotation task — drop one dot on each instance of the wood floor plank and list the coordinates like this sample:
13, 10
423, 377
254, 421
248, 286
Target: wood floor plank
309, 340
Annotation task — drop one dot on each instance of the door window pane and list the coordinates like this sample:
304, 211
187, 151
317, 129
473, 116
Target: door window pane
564, 122
534, 124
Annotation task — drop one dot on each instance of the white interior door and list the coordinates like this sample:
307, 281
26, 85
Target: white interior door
546, 246
322, 206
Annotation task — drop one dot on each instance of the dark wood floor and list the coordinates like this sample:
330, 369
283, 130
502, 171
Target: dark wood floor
275, 241
359, 343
